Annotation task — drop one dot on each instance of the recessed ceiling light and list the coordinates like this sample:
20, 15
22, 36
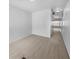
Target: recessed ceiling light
32, 0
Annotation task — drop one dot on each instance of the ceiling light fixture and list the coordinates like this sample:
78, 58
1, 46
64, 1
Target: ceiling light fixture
32, 0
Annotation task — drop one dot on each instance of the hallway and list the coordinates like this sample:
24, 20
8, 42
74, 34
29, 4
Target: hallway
38, 47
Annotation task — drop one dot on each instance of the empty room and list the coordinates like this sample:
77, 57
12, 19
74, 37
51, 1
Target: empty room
39, 29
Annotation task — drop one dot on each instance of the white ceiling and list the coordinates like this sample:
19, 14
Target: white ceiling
36, 5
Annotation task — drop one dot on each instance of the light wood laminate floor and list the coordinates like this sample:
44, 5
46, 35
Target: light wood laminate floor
38, 47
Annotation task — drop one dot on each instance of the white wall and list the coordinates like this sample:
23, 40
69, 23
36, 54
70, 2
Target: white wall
66, 28
20, 23
41, 23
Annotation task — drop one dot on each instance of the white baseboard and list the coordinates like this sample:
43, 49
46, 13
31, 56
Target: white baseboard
19, 38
